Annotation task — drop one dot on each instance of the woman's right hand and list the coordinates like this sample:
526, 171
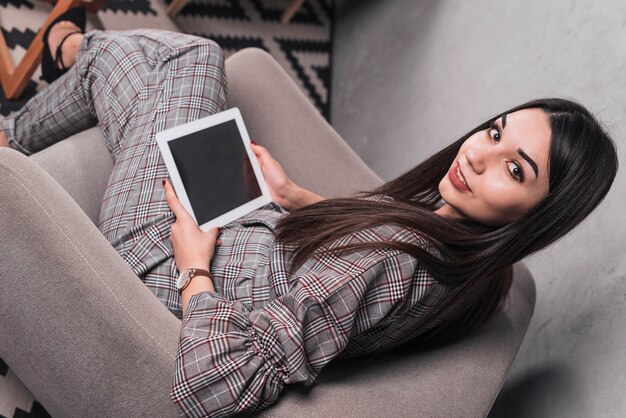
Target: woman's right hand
281, 187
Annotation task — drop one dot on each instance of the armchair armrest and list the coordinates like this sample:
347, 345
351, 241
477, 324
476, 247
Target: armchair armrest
81, 164
77, 326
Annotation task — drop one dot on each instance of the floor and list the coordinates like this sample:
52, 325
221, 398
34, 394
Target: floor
410, 76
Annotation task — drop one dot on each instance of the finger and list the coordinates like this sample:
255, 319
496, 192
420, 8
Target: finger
260, 161
259, 157
173, 202
256, 147
261, 153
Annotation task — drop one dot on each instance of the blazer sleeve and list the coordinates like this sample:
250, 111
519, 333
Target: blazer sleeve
233, 358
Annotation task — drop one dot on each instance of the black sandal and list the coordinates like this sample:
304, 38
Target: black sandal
53, 68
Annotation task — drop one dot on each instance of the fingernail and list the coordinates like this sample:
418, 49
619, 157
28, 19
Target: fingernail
164, 182
219, 229
254, 142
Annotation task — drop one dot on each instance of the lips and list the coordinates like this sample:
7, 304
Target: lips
457, 179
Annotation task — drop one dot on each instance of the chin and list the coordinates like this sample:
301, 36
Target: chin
446, 190
445, 187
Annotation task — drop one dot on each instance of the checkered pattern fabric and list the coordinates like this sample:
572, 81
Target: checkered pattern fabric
261, 328
133, 84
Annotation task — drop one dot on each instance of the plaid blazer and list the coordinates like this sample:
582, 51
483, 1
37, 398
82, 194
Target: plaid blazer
262, 329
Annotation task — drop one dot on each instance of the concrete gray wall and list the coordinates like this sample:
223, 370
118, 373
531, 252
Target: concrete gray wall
410, 76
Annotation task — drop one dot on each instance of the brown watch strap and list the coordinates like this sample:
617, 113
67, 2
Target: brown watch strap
193, 272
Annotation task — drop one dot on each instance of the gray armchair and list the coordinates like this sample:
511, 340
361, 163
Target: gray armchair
89, 339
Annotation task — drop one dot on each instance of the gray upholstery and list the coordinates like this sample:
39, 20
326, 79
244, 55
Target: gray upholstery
88, 338
281, 118
77, 326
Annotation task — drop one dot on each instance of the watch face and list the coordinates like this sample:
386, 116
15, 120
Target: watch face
182, 279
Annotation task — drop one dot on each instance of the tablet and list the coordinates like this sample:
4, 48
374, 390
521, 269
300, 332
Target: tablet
213, 170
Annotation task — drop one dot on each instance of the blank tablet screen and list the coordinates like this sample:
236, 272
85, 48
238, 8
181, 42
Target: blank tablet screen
215, 170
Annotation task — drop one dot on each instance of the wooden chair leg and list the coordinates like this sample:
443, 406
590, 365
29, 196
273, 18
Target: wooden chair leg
176, 6
291, 10
6, 63
15, 79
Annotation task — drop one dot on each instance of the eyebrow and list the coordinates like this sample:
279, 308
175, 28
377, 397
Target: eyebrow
529, 160
525, 156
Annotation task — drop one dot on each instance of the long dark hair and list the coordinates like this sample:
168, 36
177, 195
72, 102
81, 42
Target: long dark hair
474, 261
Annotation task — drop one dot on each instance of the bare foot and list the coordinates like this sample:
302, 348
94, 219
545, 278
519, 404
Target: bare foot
71, 44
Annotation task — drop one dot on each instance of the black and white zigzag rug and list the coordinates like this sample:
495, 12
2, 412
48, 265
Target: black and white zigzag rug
301, 47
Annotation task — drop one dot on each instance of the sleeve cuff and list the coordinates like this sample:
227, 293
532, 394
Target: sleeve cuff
193, 301
8, 127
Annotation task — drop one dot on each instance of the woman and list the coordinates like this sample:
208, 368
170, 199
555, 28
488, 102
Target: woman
418, 262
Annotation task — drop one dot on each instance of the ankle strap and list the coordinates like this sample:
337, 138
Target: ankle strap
58, 60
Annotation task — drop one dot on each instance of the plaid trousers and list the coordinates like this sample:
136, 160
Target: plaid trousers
133, 84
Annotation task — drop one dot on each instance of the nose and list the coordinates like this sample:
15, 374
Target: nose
476, 159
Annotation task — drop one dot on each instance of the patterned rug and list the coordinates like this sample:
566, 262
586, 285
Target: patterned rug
302, 48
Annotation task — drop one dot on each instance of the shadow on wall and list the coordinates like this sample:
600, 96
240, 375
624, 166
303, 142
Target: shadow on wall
530, 390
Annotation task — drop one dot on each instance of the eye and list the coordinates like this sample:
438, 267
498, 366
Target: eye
515, 170
494, 133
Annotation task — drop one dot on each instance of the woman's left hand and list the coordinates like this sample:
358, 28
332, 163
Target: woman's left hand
192, 246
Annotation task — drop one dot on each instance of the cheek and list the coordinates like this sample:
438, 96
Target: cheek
506, 200
499, 194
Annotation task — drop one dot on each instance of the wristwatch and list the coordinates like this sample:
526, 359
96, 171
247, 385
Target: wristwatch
185, 277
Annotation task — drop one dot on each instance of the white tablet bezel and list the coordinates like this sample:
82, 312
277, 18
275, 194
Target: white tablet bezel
177, 132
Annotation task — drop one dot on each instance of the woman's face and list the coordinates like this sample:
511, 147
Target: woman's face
500, 173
